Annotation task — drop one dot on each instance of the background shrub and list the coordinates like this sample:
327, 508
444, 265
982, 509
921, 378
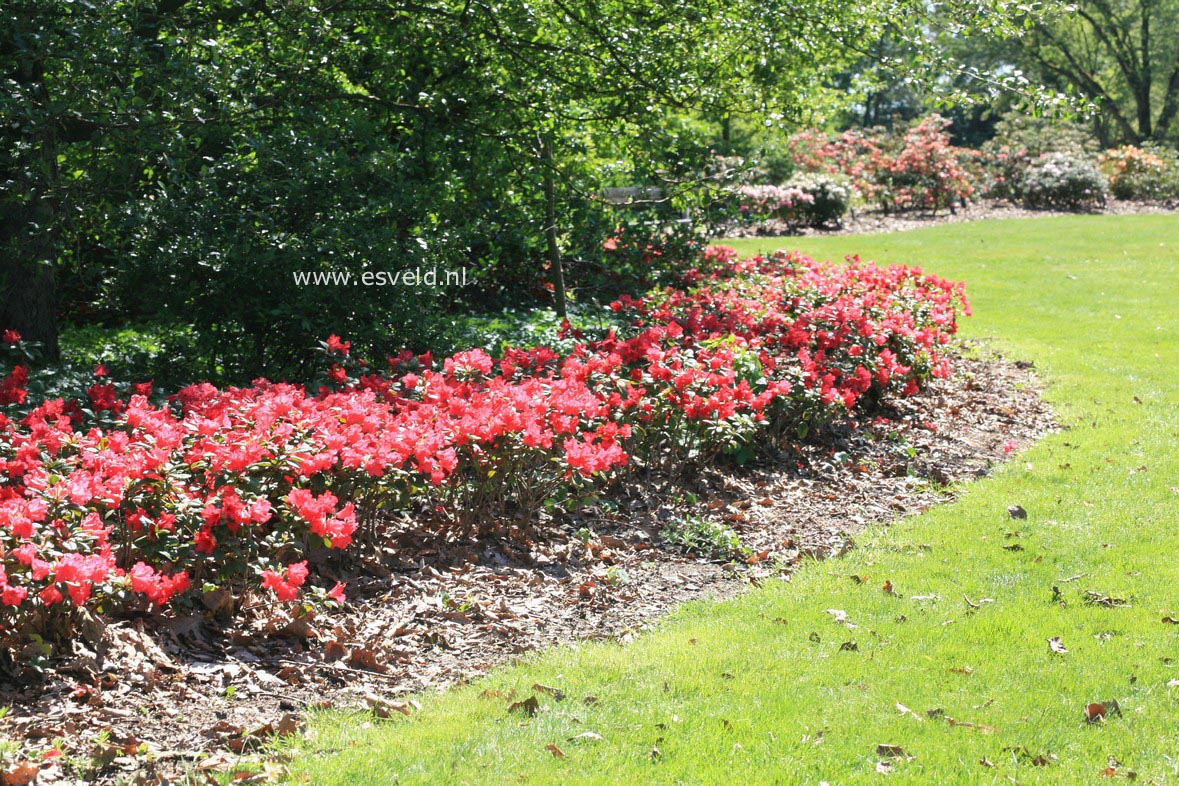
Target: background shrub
1018, 144
760, 203
1060, 180
1142, 174
927, 172
830, 196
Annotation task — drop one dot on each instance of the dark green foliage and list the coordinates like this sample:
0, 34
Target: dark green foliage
177, 163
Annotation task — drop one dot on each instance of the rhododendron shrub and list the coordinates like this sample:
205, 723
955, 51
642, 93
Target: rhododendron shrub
861, 155
116, 499
778, 343
1058, 180
830, 198
1020, 141
757, 203
928, 173
1135, 173
916, 170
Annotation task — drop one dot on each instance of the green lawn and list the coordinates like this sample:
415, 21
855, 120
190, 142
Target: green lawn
758, 690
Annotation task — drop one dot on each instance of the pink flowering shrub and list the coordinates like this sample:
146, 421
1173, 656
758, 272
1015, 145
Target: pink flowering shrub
765, 202
117, 501
916, 170
861, 155
928, 172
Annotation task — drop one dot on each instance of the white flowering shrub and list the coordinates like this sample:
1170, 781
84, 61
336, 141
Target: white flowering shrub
830, 197
1060, 180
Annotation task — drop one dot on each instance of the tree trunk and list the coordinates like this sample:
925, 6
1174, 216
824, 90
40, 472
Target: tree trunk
1142, 89
28, 302
550, 227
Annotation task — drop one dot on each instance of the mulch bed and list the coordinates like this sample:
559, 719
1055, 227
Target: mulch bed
865, 222
199, 690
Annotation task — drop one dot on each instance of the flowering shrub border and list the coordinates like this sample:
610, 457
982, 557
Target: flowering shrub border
919, 170
1039, 166
122, 499
1141, 174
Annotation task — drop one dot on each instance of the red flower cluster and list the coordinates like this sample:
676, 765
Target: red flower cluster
286, 584
119, 498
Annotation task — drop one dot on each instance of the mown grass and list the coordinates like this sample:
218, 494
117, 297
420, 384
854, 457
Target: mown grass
762, 690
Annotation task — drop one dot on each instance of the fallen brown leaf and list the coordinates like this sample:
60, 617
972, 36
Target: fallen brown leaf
529, 706
297, 629
22, 774
1099, 710
1093, 598
985, 729
553, 749
556, 693
366, 659
1035, 759
219, 762
496, 694
383, 708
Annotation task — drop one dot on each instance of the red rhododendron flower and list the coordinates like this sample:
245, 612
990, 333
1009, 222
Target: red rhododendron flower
13, 596
286, 585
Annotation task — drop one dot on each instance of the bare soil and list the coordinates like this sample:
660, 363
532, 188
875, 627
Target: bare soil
177, 699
